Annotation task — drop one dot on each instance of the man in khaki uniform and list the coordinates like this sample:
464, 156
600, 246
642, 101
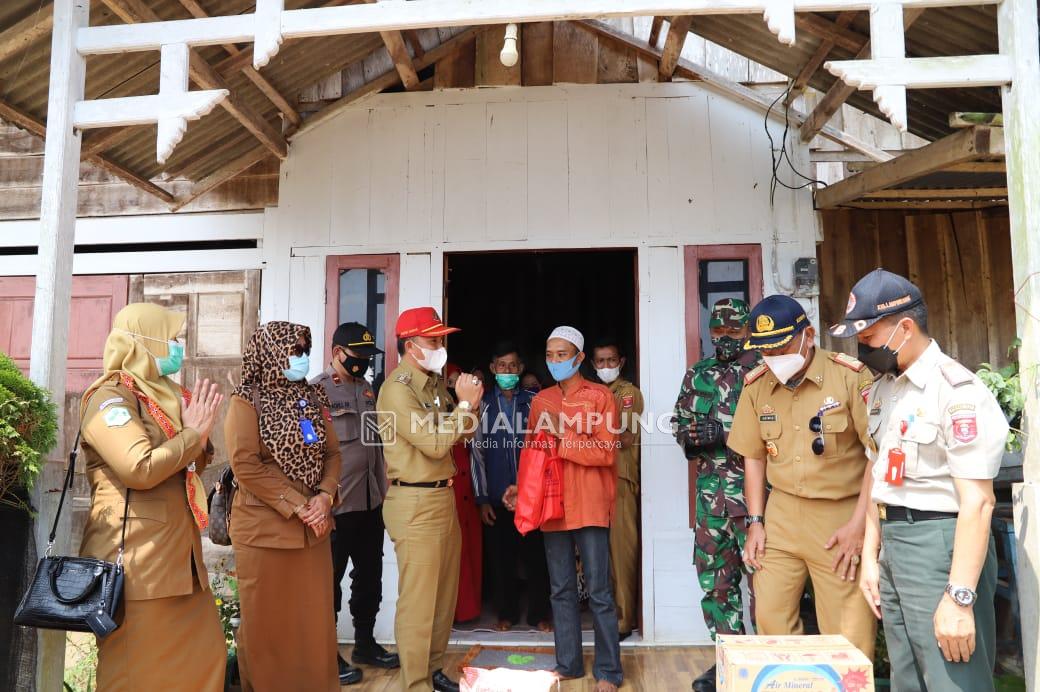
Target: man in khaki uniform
624, 528
418, 433
801, 423
940, 438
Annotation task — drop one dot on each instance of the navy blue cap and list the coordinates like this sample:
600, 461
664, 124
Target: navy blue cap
775, 321
876, 295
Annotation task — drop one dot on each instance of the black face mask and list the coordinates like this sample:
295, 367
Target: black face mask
355, 367
727, 348
880, 359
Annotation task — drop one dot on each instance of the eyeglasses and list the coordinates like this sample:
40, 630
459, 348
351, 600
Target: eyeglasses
816, 425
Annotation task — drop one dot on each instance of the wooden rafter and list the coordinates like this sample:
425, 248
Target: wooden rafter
257, 154
30, 124
965, 145
23, 33
251, 73
840, 92
136, 11
655, 31
395, 46
741, 93
678, 30
939, 193
836, 31
814, 63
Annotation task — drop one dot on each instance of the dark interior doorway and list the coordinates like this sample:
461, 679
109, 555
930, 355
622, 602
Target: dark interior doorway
522, 296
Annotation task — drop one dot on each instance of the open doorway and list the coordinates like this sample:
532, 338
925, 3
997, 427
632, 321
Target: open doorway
520, 297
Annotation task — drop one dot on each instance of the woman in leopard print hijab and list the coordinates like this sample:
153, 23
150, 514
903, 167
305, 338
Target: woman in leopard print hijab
286, 462
283, 403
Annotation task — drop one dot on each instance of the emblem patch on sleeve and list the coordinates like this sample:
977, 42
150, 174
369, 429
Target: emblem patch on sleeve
965, 426
116, 416
626, 401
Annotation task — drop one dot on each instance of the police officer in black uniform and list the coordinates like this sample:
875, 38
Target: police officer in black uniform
358, 534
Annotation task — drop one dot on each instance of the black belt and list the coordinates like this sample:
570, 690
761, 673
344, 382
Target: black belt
447, 483
896, 513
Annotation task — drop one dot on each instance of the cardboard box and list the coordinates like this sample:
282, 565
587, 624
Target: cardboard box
779, 664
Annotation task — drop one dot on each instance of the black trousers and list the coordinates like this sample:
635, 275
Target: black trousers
506, 549
358, 537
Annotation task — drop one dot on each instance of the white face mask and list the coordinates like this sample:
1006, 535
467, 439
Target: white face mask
433, 359
788, 365
608, 375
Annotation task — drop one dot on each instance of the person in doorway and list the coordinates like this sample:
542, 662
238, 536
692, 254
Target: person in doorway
471, 560
497, 446
624, 529
939, 437
702, 420
582, 416
801, 423
145, 441
286, 459
418, 434
529, 382
357, 534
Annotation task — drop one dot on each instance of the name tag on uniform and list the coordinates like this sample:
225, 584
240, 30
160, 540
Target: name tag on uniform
307, 428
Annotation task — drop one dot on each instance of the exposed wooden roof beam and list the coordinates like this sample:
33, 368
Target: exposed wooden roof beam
741, 93
928, 204
966, 145
835, 31
678, 30
135, 11
939, 193
394, 42
412, 36
840, 92
261, 82
257, 154
655, 31
24, 33
27, 122
814, 63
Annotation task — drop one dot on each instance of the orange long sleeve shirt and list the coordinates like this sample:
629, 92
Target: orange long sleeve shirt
587, 416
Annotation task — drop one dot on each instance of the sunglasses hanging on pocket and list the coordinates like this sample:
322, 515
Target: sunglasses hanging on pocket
816, 425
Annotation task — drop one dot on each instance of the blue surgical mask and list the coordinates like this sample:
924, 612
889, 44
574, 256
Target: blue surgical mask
171, 363
298, 368
564, 369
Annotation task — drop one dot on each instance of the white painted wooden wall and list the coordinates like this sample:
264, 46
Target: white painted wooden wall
651, 166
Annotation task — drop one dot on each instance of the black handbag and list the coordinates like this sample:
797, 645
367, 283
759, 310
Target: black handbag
78, 594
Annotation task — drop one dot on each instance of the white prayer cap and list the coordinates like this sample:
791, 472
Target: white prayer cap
569, 334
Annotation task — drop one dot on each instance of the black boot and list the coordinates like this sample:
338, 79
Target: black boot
442, 683
706, 681
367, 650
348, 674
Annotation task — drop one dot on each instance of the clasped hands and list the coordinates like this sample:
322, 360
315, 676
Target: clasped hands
316, 514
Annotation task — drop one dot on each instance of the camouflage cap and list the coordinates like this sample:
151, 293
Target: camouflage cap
729, 312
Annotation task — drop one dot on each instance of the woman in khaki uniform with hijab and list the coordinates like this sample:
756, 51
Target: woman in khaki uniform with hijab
145, 437
286, 461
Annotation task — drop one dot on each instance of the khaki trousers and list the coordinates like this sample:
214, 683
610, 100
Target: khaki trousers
624, 555
797, 528
424, 528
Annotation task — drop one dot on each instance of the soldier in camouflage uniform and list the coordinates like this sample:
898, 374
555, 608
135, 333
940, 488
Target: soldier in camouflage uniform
702, 420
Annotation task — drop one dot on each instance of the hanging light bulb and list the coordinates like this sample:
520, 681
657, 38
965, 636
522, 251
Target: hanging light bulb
509, 54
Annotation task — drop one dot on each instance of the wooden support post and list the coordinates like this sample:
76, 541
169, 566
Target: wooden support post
1016, 27
49, 352
678, 29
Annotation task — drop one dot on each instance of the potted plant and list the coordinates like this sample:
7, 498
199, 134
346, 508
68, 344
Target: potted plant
1006, 386
28, 430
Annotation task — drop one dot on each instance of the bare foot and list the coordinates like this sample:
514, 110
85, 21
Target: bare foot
604, 686
503, 626
545, 626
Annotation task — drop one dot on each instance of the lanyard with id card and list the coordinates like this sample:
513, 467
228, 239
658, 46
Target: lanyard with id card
306, 427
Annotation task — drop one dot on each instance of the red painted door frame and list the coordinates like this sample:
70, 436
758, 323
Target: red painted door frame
693, 254
390, 265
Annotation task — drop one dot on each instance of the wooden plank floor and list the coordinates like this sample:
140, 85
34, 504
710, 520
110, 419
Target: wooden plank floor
657, 669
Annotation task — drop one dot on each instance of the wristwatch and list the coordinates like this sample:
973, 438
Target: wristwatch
754, 519
465, 406
961, 595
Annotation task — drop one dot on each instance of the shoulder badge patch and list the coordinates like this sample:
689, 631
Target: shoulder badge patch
404, 378
955, 373
108, 402
116, 416
626, 401
848, 361
756, 373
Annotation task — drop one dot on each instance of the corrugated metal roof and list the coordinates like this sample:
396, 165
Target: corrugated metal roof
219, 138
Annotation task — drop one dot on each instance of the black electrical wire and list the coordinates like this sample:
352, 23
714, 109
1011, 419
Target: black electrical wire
783, 155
